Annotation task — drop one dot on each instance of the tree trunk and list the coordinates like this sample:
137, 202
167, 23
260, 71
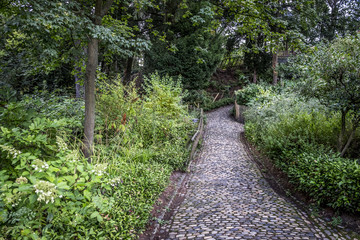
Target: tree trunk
128, 70
274, 65
255, 76
342, 131
286, 48
90, 75
77, 87
101, 9
352, 134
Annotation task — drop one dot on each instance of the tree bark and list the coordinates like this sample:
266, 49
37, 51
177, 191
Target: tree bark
90, 75
352, 134
128, 70
343, 130
274, 65
101, 9
255, 76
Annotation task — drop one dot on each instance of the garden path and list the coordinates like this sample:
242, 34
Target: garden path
229, 199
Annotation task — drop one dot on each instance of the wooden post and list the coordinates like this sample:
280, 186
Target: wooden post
196, 138
237, 111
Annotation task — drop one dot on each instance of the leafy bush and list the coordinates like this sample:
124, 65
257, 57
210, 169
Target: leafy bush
198, 98
285, 121
202, 99
43, 105
220, 103
330, 73
158, 122
300, 135
327, 178
49, 190
252, 92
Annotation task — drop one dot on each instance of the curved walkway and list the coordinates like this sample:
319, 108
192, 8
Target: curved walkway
229, 199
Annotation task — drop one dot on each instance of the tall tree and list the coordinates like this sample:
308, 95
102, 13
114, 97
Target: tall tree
186, 42
272, 20
101, 8
334, 79
56, 23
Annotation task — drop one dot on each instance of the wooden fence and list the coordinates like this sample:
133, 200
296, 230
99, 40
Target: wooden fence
196, 138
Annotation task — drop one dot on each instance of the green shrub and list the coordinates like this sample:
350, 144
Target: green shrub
157, 121
286, 121
203, 99
300, 136
220, 103
43, 105
251, 93
49, 190
329, 179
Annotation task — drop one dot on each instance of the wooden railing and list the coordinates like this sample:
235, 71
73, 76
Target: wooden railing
196, 138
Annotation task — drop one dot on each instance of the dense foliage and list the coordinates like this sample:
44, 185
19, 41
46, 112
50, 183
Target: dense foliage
191, 49
48, 189
134, 133
331, 74
300, 136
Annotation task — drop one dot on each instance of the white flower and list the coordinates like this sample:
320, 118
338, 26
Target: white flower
61, 144
21, 180
99, 169
39, 165
11, 151
46, 191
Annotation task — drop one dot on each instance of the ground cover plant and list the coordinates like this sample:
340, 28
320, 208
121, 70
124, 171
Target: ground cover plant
50, 191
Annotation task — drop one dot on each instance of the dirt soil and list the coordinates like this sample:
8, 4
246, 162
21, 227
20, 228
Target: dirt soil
223, 78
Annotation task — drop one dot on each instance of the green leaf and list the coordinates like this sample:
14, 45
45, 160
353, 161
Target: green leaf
63, 185
94, 214
25, 232
87, 195
33, 199
53, 169
25, 188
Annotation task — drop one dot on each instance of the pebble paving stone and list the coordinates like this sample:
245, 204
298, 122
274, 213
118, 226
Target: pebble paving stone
229, 199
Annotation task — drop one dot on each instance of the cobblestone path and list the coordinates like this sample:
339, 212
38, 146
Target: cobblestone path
229, 199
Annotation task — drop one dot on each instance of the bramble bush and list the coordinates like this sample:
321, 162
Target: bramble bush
50, 191
300, 136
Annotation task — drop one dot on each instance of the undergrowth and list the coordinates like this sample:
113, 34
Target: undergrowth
50, 191
300, 136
